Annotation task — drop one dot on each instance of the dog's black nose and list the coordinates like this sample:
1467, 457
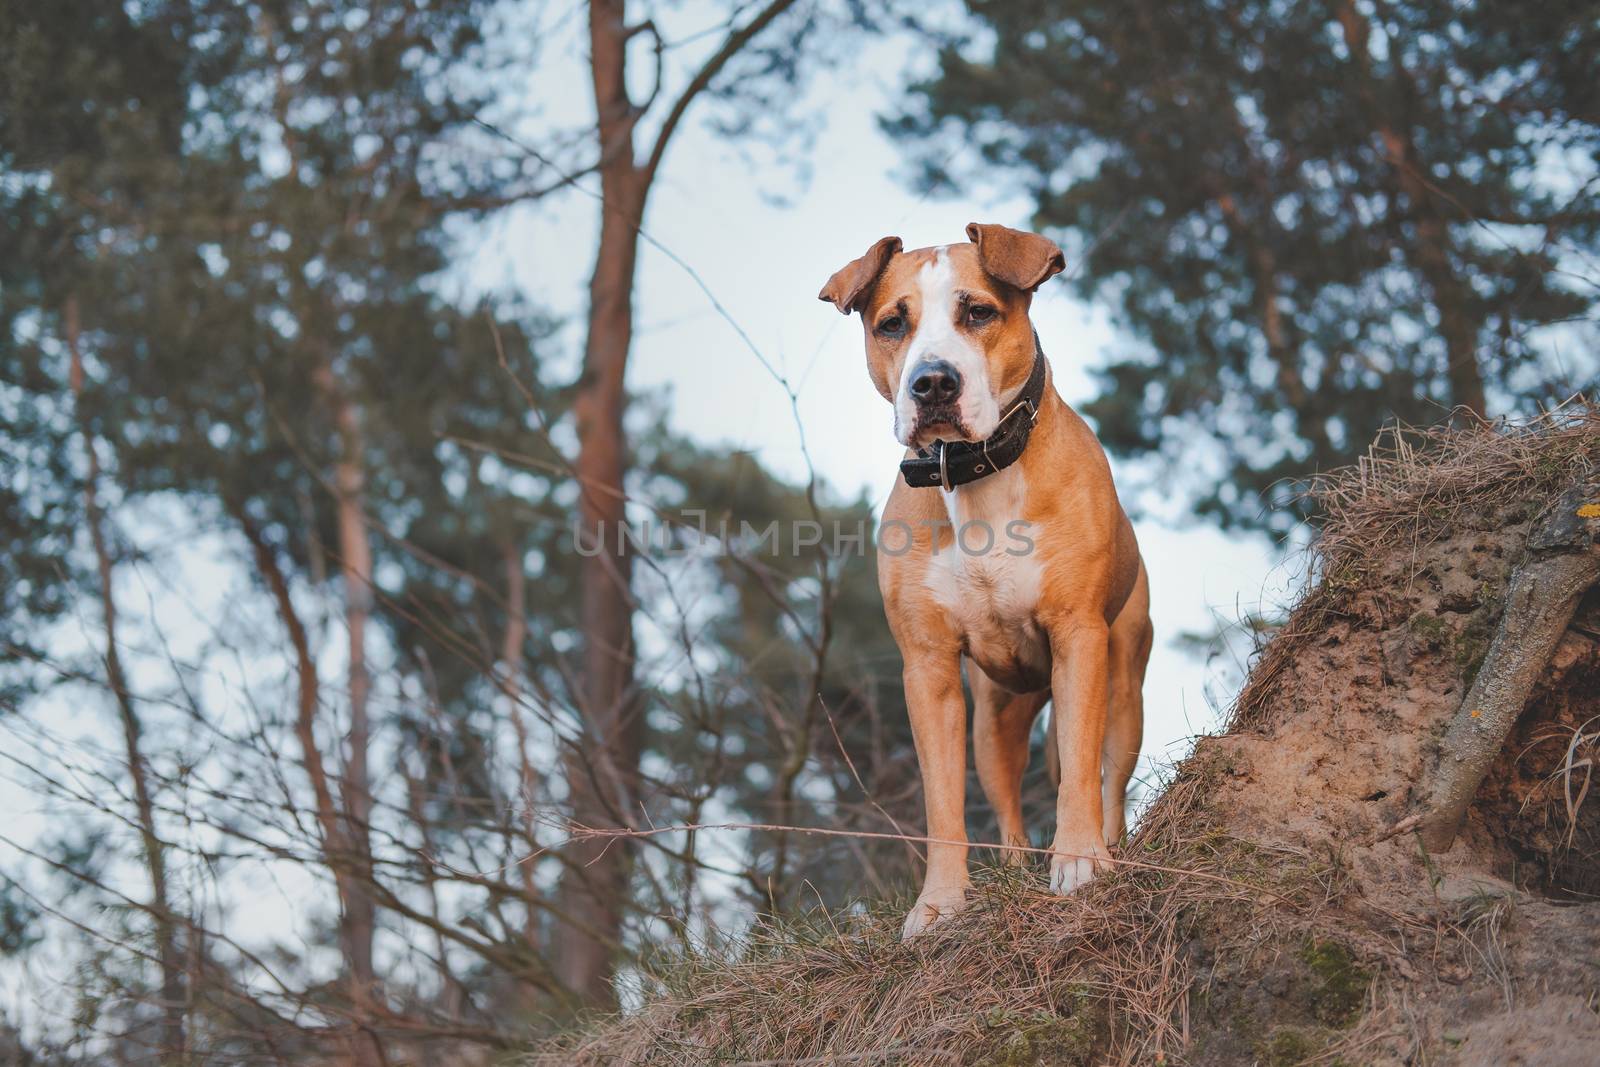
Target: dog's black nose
935, 382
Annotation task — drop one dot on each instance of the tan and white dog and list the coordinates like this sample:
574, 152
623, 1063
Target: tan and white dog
1005, 544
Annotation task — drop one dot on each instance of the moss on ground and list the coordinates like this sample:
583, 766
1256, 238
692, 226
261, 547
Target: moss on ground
1472, 646
1049, 1040
1339, 984
1430, 629
1287, 1047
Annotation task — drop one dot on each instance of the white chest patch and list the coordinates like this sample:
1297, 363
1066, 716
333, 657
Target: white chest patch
989, 578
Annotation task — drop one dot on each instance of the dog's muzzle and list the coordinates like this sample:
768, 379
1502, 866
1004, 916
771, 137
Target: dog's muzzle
935, 384
949, 464
935, 388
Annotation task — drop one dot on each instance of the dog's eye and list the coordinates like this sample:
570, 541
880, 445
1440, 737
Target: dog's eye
893, 326
978, 314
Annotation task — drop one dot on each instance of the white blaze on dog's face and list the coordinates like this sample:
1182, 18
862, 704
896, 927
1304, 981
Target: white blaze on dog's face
947, 330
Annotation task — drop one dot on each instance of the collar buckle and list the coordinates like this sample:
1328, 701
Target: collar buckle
931, 465
1024, 402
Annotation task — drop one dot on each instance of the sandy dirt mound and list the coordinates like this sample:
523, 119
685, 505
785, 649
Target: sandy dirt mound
1260, 915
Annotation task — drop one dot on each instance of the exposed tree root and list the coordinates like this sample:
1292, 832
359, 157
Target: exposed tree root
1562, 563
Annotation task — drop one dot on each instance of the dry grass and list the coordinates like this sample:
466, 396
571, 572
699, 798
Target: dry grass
1412, 485
1023, 976
1020, 976
1480, 922
1407, 492
1572, 779
1018, 972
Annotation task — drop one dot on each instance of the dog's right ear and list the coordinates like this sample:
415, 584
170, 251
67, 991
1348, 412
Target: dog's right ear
1016, 257
848, 287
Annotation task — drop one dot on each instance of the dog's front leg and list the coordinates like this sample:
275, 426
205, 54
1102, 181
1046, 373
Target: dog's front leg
939, 726
1078, 686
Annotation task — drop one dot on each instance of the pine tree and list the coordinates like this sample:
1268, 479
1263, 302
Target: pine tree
230, 216
1316, 217
231, 221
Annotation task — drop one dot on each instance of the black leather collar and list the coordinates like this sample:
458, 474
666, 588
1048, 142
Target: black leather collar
948, 465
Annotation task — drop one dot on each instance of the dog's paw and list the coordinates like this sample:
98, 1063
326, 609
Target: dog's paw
1075, 865
1016, 856
931, 907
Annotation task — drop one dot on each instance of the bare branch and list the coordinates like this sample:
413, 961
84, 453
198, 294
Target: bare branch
703, 78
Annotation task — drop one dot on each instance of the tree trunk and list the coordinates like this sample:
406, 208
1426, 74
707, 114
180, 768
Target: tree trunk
359, 921
1458, 327
516, 633
1266, 281
172, 1046
364, 1045
531, 997
602, 768
350, 848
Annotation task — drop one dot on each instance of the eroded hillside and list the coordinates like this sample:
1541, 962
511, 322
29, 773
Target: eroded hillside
1266, 910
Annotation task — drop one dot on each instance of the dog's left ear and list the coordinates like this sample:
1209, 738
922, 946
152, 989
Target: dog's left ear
1025, 260
847, 289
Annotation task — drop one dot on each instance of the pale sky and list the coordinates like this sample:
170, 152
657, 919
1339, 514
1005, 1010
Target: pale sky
764, 260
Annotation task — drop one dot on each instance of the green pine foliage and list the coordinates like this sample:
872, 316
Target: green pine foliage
1315, 217
253, 209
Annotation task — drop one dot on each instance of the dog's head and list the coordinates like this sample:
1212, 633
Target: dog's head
948, 336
